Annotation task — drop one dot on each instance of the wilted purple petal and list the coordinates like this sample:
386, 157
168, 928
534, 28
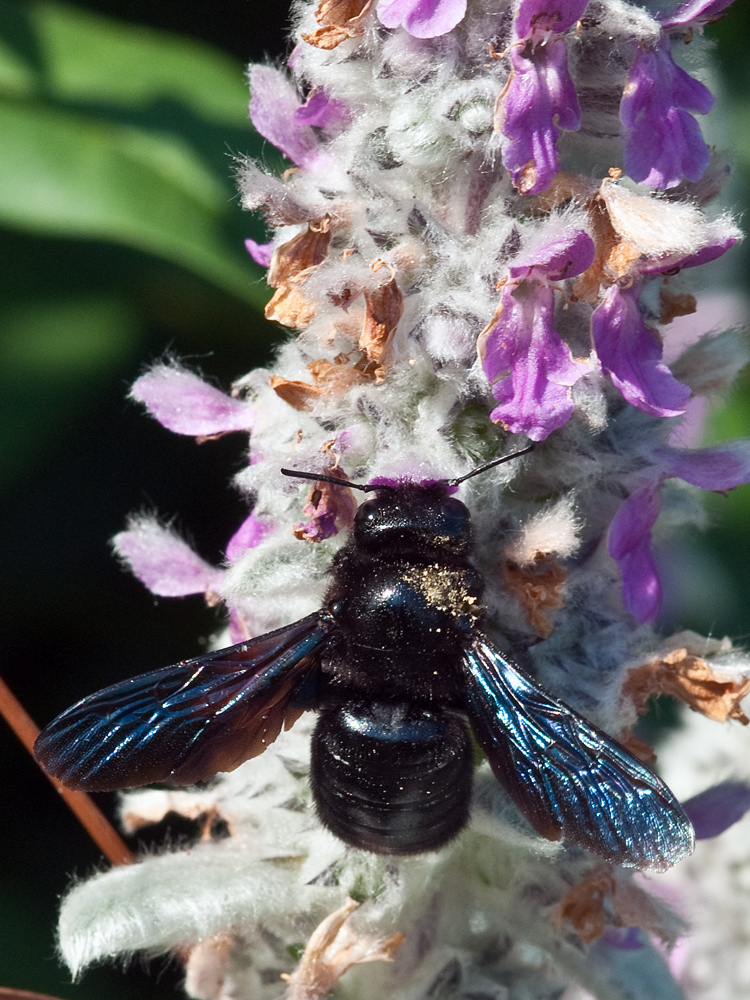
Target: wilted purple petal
715, 810
322, 111
182, 402
663, 142
422, 18
529, 364
630, 546
693, 12
542, 17
163, 561
329, 508
539, 101
318, 528
560, 258
631, 354
250, 533
273, 108
720, 468
260, 252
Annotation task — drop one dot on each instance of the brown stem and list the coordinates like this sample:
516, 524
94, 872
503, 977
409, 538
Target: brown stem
9, 993
93, 820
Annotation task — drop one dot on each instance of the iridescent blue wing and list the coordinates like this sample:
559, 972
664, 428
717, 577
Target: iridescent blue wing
186, 722
568, 778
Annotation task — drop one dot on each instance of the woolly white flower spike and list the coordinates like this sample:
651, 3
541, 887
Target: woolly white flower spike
465, 258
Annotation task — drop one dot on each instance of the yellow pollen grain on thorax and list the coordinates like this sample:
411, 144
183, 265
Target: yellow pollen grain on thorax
444, 588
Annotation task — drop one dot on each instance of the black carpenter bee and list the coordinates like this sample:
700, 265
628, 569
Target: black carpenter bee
401, 673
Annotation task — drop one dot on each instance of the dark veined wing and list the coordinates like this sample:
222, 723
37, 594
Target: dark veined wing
568, 778
189, 721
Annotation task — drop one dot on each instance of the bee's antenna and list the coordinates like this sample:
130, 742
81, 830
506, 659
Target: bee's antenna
319, 478
490, 465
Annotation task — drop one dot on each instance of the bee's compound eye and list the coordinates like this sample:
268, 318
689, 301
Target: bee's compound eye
454, 507
455, 518
366, 511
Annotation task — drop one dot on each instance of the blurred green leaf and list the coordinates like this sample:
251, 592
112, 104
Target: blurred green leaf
74, 55
64, 175
16, 76
51, 354
91, 58
118, 133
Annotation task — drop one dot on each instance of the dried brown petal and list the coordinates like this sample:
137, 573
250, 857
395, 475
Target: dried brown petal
673, 304
289, 306
306, 249
689, 677
526, 178
605, 898
500, 113
634, 907
327, 38
538, 587
383, 310
638, 747
332, 949
330, 378
613, 256
206, 966
291, 265
565, 186
299, 395
334, 377
583, 905
339, 20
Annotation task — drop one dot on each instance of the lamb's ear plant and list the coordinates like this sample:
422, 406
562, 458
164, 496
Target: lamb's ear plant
490, 232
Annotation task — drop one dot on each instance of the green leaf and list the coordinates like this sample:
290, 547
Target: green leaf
64, 174
80, 56
120, 133
51, 355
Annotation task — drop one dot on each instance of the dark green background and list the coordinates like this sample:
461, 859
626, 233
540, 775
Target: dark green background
151, 260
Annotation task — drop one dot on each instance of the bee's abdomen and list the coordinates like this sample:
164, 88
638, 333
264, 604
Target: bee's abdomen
392, 779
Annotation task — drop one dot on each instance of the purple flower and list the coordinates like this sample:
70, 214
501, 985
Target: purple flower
540, 18
260, 252
522, 354
630, 352
630, 547
422, 18
663, 142
539, 101
719, 469
693, 13
182, 402
540, 98
718, 243
528, 363
163, 561
560, 258
250, 533
274, 106
322, 111
719, 807
166, 564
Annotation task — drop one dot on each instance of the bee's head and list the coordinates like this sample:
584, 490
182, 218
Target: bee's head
407, 516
